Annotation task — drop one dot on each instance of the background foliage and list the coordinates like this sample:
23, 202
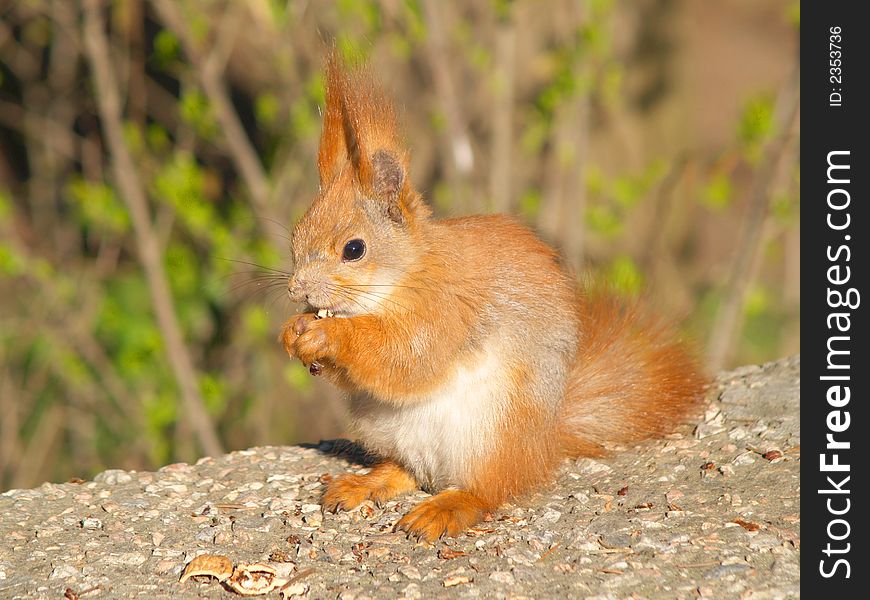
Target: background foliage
654, 141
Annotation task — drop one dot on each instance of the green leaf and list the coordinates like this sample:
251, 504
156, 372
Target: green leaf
181, 183
213, 391
195, 111
793, 14
5, 206
717, 193
596, 183
352, 51
166, 48
530, 204
99, 207
11, 264
362, 11
624, 275
757, 302
160, 410
502, 9
279, 12
182, 269
785, 208
756, 125
304, 122
157, 138
266, 107
255, 321
297, 376
602, 219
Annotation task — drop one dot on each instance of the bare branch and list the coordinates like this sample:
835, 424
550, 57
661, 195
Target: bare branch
210, 72
29, 470
461, 162
10, 450
564, 198
133, 193
729, 319
500, 173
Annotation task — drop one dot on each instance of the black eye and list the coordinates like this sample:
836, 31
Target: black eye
353, 250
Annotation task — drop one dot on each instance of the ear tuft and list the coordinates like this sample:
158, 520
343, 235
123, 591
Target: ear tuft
361, 138
388, 175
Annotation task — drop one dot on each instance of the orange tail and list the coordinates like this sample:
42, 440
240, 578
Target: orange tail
633, 379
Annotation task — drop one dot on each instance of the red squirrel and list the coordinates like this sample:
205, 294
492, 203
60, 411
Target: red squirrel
473, 361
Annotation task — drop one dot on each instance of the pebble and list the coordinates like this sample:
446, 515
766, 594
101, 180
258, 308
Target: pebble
133, 533
64, 572
410, 572
91, 523
505, 577
113, 477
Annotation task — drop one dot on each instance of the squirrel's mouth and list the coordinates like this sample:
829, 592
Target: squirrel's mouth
323, 313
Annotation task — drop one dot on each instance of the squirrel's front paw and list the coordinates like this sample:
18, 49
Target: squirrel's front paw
293, 328
311, 339
386, 480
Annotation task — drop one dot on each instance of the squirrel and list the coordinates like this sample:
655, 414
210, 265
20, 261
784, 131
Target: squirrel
473, 361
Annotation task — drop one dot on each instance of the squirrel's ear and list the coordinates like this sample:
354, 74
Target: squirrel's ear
387, 180
357, 115
334, 151
360, 134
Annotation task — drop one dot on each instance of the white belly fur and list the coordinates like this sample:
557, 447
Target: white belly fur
440, 435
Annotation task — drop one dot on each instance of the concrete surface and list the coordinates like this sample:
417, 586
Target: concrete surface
713, 511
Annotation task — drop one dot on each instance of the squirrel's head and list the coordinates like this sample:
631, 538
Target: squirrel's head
363, 232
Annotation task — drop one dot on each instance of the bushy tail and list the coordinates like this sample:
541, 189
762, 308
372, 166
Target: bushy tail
633, 379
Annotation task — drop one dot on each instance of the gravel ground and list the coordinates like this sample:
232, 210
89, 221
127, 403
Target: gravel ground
713, 511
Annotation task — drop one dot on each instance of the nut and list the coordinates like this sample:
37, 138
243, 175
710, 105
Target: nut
214, 565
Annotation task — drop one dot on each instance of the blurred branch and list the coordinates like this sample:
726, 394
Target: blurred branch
127, 407
461, 157
657, 230
728, 322
72, 316
209, 70
14, 117
29, 470
561, 217
500, 173
10, 448
133, 193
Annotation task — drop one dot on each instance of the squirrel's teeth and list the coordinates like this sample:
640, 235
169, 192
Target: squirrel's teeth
324, 312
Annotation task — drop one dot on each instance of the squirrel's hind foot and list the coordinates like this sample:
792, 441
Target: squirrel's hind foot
446, 514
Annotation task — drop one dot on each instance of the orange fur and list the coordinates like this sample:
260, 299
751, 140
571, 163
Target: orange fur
525, 454
449, 513
470, 358
632, 380
384, 481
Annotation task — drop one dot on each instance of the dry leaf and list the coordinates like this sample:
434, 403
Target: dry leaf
747, 525
448, 553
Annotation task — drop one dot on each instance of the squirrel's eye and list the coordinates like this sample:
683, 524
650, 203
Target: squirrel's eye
353, 250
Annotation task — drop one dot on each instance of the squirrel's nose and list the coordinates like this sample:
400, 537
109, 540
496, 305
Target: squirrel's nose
296, 289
